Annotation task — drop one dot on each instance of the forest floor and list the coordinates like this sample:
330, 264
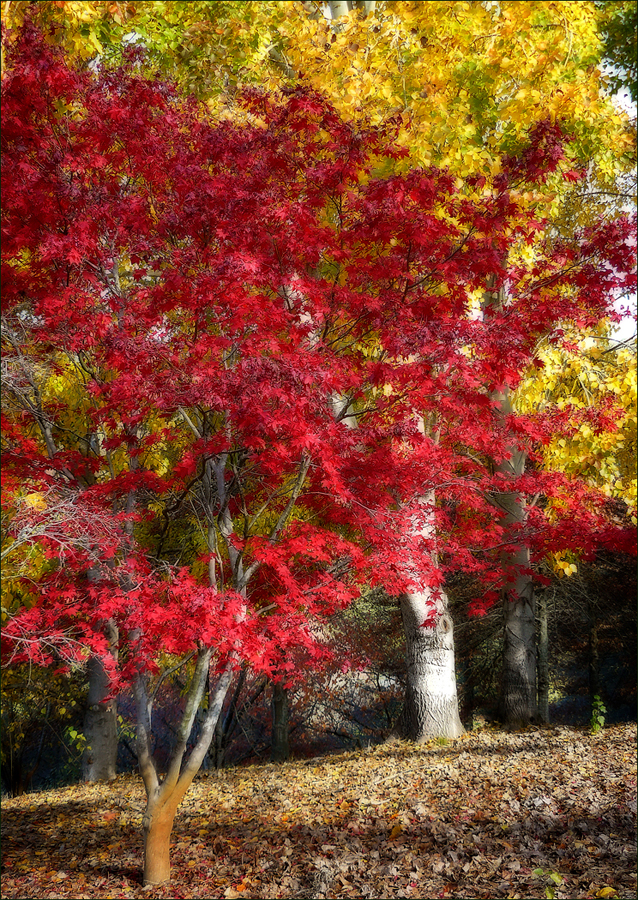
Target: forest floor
538, 813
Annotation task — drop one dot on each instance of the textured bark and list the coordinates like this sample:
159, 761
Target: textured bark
99, 760
593, 655
431, 703
543, 659
518, 703
164, 797
280, 749
158, 825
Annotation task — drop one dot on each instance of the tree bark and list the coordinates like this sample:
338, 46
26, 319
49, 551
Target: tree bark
226, 723
158, 826
340, 8
280, 749
99, 760
518, 705
543, 659
431, 703
518, 701
164, 797
593, 655
467, 694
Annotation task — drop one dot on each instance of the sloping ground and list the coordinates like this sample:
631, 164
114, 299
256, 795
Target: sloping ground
540, 813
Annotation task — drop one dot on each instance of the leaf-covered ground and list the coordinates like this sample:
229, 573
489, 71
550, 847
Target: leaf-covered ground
540, 813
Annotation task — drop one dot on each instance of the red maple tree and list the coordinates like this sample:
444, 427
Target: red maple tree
253, 368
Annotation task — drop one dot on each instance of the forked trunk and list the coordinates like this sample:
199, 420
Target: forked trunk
431, 703
165, 796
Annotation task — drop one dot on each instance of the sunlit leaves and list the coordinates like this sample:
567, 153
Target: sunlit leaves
593, 385
201, 294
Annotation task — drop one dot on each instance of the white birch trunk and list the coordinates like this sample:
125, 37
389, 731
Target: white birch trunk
431, 702
340, 8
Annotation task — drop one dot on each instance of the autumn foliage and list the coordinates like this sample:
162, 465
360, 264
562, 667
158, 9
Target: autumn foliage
213, 300
250, 369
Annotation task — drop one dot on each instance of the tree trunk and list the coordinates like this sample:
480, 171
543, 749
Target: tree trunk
431, 703
518, 702
99, 760
158, 826
340, 8
467, 694
593, 655
518, 681
164, 796
518, 706
543, 659
280, 750
226, 723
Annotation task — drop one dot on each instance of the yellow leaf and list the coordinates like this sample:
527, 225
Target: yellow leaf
396, 831
607, 892
36, 501
94, 41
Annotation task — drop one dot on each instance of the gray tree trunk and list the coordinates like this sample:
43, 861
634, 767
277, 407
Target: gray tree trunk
543, 659
431, 703
280, 749
467, 695
99, 760
593, 654
518, 703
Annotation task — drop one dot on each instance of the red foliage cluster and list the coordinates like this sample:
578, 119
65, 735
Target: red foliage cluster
234, 298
